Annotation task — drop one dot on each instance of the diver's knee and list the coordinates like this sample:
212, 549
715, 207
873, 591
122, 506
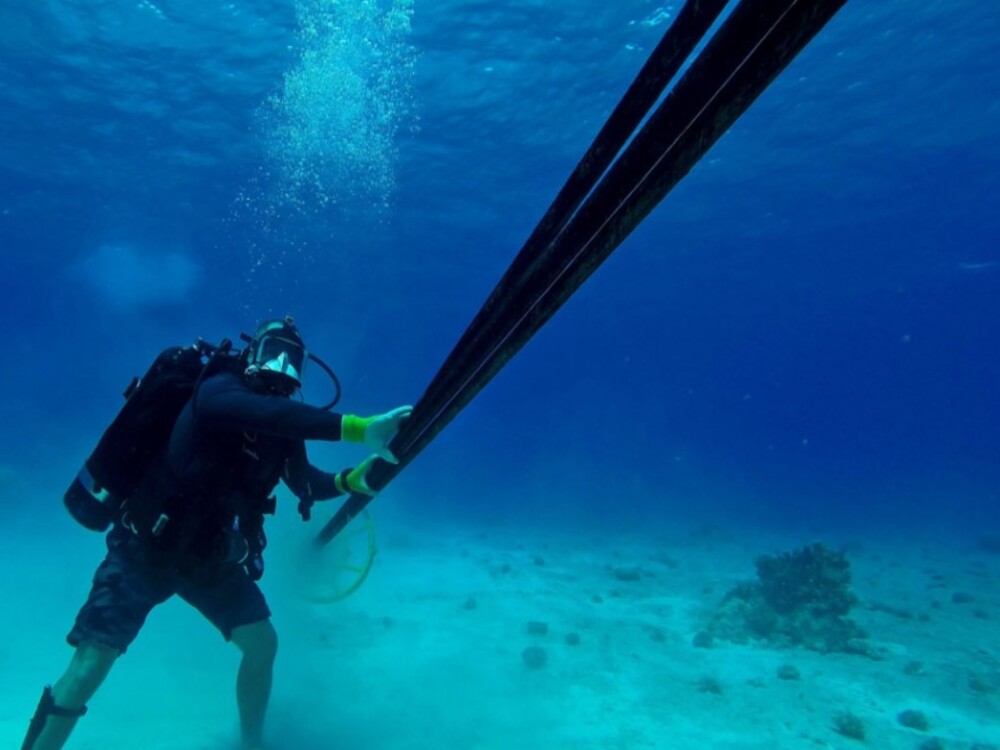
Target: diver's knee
266, 649
258, 641
87, 670
269, 643
94, 659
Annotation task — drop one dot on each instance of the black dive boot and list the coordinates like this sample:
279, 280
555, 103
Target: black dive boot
47, 707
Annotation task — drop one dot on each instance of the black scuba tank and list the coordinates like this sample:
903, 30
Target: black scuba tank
139, 433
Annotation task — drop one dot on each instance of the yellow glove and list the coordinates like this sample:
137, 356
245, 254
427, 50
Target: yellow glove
375, 432
356, 480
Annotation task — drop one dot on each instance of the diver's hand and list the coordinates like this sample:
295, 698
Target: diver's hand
356, 480
375, 432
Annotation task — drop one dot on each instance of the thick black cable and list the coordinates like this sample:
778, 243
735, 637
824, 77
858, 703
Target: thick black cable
679, 41
754, 45
640, 180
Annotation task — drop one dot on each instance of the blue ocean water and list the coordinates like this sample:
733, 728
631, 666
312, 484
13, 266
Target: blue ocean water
809, 320
805, 329
803, 335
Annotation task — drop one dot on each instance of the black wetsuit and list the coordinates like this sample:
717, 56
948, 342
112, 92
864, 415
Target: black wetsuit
228, 450
240, 443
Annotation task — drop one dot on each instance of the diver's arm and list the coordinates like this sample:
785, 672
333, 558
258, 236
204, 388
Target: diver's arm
311, 484
226, 402
305, 480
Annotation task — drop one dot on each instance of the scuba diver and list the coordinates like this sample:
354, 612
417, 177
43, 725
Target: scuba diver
193, 526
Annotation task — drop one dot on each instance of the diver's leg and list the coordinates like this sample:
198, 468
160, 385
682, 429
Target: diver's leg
64, 702
125, 588
233, 602
259, 644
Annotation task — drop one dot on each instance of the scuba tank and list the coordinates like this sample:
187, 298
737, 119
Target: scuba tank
140, 431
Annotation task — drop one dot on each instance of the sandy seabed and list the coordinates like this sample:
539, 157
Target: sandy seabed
430, 652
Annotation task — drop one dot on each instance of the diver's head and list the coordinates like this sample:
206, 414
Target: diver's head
276, 356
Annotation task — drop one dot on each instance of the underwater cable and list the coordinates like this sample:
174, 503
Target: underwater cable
756, 42
678, 43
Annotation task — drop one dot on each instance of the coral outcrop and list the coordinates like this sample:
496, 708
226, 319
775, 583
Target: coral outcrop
800, 598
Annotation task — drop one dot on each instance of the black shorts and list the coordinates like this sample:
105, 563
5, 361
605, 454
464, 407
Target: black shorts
132, 580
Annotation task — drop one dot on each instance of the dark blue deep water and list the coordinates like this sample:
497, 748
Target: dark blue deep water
804, 333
